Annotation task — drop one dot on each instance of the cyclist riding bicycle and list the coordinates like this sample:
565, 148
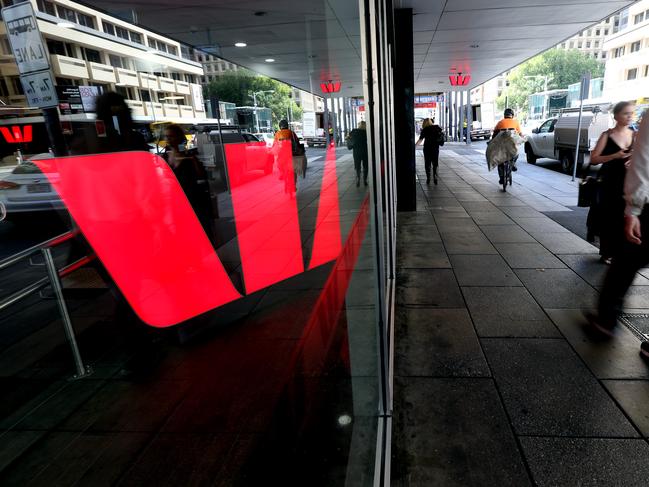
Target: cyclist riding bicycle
507, 123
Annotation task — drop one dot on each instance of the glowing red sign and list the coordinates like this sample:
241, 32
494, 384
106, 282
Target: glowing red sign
16, 136
136, 217
459, 79
330, 87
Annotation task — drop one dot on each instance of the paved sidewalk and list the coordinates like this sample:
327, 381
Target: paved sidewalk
496, 381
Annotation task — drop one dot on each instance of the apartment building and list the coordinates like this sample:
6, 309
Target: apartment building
213, 66
156, 74
591, 41
627, 66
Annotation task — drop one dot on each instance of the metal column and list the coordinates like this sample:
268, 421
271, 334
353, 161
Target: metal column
469, 117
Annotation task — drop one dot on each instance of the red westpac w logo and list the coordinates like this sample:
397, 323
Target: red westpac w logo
136, 217
15, 136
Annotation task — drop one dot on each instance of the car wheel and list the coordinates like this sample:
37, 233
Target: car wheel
529, 153
567, 161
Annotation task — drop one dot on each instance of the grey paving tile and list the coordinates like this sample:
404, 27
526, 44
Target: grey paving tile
506, 234
407, 234
506, 201
483, 270
540, 226
468, 243
447, 225
586, 461
633, 398
473, 206
437, 343
566, 243
422, 256
469, 196
607, 359
507, 312
429, 288
547, 390
521, 212
528, 256
491, 218
558, 288
592, 270
450, 432
414, 218
637, 297
451, 212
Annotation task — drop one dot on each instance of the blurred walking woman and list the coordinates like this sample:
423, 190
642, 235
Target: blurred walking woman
432, 137
613, 151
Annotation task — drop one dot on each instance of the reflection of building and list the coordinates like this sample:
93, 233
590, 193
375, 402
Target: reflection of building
213, 66
591, 41
627, 67
547, 103
595, 92
255, 119
153, 72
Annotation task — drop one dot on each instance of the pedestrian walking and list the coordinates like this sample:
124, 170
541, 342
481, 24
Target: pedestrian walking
432, 137
289, 167
634, 253
357, 141
613, 150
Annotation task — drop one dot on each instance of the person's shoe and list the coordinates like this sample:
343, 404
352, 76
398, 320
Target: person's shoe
603, 328
514, 168
435, 181
427, 179
358, 182
501, 181
644, 349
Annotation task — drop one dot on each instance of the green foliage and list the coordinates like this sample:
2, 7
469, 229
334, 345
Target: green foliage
562, 68
238, 86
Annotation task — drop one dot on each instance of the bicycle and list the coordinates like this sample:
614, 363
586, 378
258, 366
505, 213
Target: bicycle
505, 173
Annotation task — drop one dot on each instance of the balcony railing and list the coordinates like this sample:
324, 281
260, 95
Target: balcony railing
69, 67
102, 72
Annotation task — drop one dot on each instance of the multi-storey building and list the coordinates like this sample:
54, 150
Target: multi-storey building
155, 73
591, 40
213, 66
627, 67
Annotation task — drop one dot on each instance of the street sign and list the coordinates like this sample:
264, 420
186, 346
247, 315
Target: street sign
585, 85
39, 89
25, 38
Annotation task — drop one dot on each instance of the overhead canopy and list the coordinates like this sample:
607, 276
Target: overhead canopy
316, 40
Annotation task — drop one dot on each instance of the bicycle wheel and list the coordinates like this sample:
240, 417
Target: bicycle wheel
506, 175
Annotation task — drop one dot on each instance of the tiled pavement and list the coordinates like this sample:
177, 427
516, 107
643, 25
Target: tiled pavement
496, 381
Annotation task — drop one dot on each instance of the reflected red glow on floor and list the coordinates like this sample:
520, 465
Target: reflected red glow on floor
136, 217
327, 243
266, 218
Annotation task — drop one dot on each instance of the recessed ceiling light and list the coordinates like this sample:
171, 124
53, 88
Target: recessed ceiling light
240, 44
270, 60
65, 25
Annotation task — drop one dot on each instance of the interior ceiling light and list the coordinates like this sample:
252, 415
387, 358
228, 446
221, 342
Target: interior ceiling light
457, 79
270, 60
240, 44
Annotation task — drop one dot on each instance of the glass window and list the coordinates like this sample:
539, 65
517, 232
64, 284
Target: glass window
135, 37
66, 13
588, 44
91, 55
645, 72
638, 18
108, 28
172, 50
145, 95
605, 32
116, 61
579, 45
152, 42
56, 47
596, 43
162, 46
46, 7
545, 128
635, 47
121, 32
17, 85
85, 20
632, 74
598, 32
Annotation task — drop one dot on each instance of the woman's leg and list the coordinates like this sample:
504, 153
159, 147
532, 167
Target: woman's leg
357, 167
435, 164
428, 159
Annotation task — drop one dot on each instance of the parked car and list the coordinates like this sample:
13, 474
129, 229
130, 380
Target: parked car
540, 144
266, 137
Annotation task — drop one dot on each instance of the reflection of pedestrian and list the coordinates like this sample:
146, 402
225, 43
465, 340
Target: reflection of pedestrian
432, 137
358, 143
612, 152
285, 137
634, 253
190, 174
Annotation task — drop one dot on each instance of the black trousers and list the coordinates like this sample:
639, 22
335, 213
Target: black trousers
431, 157
622, 272
358, 161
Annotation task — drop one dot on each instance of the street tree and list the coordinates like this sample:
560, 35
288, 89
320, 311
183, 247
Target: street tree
561, 67
238, 87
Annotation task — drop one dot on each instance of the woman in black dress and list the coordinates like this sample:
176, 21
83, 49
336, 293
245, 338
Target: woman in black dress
613, 151
432, 137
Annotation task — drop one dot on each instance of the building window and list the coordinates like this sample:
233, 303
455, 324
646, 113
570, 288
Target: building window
598, 32
136, 37
632, 74
152, 43
605, 32
66, 14
56, 47
47, 7
572, 45
175, 76
579, 45
638, 18
91, 55
121, 32
635, 47
125, 92
588, 45
115, 61
645, 73
590, 33
596, 55
162, 46
144, 95
108, 28
173, 50
618, 52
603, 55
185, 52
563, 45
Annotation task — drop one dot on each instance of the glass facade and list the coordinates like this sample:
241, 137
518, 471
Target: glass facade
182, 299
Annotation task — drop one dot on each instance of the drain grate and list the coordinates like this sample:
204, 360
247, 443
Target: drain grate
637, 323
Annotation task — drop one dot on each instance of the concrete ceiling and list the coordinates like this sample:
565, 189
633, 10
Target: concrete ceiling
316, 40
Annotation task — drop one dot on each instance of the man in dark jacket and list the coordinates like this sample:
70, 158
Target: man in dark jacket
358, 142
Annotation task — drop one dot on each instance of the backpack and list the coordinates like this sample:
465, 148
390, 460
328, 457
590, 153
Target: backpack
297, 149
441, 138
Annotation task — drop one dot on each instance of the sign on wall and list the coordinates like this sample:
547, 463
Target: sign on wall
39, 89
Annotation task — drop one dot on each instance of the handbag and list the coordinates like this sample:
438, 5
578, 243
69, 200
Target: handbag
588, 189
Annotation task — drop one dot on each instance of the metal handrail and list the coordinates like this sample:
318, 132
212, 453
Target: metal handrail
53, 280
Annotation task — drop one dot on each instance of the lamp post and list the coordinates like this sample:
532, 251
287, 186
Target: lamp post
254, 101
